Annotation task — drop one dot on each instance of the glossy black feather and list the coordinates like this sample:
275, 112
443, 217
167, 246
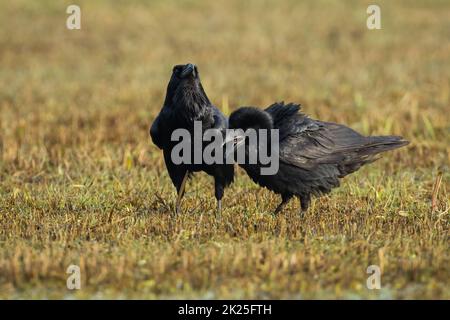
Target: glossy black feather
186, 102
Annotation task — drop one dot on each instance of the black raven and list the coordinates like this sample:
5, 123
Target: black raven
186, 102
313, 154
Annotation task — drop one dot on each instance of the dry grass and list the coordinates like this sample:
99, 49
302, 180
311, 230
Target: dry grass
81, 183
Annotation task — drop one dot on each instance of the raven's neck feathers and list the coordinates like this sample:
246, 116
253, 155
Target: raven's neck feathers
191, 103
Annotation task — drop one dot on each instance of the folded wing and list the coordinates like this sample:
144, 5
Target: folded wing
313, 145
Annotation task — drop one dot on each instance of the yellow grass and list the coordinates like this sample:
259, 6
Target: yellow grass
81, 182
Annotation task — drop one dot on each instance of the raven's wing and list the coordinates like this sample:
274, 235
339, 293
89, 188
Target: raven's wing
311, 144
318, 143
156, 134
220, 121
159, 131
288, 120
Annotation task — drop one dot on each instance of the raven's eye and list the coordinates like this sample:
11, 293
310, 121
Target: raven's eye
177, 69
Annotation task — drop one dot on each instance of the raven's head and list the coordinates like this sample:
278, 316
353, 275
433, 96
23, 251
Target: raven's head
250, 117
185, 89
247, 119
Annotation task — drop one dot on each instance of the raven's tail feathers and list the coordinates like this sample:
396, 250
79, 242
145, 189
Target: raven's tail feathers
369, 151
378, 144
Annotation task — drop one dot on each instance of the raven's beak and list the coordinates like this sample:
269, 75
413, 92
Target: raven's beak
236, 138
188, 69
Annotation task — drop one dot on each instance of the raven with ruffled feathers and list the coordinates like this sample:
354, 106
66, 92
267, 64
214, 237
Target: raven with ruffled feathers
313, 155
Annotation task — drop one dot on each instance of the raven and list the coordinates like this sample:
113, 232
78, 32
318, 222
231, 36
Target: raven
313, 154
186, 102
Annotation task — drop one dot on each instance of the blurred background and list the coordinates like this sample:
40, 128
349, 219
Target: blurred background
317, 53
76, 106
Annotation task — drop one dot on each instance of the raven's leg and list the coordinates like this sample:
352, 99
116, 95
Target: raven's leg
284, 200
180, 191
219, 207
305, 199
218, 186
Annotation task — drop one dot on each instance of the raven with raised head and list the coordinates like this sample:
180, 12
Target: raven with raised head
313, 154
186, 102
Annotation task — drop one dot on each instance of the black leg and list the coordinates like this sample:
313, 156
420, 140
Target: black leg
284, 200
218, 186
305, 199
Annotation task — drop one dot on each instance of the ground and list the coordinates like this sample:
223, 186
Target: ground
81, 183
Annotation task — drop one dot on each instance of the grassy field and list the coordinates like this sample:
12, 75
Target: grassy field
81, 182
